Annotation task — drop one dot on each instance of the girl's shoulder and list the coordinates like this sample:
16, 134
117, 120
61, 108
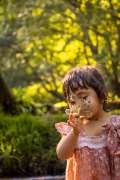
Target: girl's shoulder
114, 121
112, 128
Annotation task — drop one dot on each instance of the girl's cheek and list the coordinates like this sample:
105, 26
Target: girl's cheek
94, 108
87, 107
91, 103
88, 102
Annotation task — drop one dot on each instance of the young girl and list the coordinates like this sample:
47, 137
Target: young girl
90, 139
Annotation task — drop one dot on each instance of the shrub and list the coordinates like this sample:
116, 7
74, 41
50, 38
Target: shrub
27, 145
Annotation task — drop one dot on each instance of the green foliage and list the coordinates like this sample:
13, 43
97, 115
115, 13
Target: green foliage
80, 32
116, 111
35, 100
27, 145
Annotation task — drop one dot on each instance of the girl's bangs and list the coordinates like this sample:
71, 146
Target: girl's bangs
75, 83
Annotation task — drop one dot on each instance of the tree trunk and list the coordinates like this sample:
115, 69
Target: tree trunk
7, 100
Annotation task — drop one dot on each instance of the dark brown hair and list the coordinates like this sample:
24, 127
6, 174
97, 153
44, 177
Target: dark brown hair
85, 77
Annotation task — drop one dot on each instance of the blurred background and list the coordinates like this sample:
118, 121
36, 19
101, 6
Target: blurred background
40, 41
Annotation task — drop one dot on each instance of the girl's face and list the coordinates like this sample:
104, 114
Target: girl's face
88, 102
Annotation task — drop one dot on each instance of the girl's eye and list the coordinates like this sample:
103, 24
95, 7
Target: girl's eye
85, 97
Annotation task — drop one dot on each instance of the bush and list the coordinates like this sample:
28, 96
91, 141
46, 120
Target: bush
27, 145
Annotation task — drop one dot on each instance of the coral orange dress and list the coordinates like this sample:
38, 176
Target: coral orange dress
95, 157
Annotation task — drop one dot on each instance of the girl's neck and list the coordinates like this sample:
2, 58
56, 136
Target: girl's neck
94, 127
100, 113
99, 118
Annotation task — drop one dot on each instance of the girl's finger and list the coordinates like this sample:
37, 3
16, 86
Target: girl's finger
74, 125
77, 120
70, 123
76, 115
71, 118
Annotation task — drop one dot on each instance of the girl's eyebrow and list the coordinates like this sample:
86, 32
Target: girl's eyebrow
81, 92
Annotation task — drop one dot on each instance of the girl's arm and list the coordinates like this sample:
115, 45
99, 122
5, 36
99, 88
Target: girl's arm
66, 145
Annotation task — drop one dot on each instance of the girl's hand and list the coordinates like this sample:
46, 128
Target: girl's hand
76, 121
